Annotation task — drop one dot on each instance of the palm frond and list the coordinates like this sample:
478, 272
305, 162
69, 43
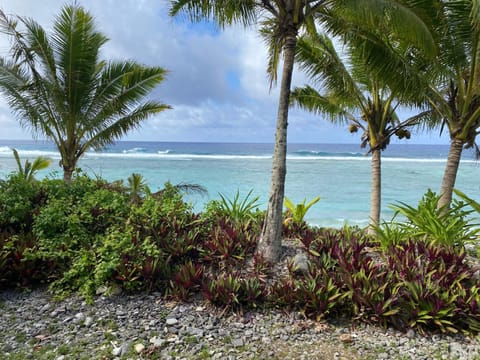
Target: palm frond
309, 99
58, 86
223, 12
318, 58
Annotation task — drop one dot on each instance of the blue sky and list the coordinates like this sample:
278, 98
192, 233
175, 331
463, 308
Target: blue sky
217, 82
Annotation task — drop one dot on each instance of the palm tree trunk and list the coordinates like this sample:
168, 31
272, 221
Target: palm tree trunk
68, 165
450, 175
376, 190
67, 174
270, 243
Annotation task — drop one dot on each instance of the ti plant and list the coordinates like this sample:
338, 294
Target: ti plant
28, 170
444, 225
296, 212
238, 209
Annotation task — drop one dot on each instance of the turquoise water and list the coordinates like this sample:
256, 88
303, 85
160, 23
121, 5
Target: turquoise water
338, 173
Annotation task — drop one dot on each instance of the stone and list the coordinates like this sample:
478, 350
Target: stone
196, 332
117, 351
346, 338
139, 348
88, 321
300, 263
171, 321
238, 342
157, 342
125, 348
411, 333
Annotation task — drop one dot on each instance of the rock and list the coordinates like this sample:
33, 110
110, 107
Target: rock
139, 348
171, 321
120, 322
237, 342
300, 263
346, 338
125, 348
157, 342
117, 351
196, 332
88, 321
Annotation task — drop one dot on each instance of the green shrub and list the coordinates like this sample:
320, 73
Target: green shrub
449, 226
296, 212
28, 170
19, 200
392, 233
236, 209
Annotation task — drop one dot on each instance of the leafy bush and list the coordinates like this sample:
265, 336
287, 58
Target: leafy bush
234, 290
229, 244
448, 226
16, 269
296, 212
414, 284
28, 170
388, 234
19, 200
187, 279
316, 293
236, 209
70, 224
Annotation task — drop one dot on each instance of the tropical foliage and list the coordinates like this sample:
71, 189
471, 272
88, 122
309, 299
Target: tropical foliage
281, 22
351, 92
296, 212
448, 226
237, 209
59, 87
454, 96
28, 170
88, 237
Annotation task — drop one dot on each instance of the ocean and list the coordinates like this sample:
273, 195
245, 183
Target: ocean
338, 173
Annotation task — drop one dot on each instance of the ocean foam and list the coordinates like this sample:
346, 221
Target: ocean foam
5, 149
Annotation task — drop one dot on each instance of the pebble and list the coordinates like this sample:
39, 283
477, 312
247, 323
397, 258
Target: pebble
171, 321
123, 323
139, 348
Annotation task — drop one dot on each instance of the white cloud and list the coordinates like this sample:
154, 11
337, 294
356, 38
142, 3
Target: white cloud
217, 81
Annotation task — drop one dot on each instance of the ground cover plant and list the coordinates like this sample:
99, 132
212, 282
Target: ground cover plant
92, 236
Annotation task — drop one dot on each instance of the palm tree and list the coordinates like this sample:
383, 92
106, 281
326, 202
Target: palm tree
137, 187
281, 22
455, 96
352, 94
58, 86
28, 170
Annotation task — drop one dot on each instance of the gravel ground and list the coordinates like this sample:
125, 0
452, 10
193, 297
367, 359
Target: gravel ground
34, 326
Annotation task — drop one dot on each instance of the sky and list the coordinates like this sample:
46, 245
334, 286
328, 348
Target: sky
217, 83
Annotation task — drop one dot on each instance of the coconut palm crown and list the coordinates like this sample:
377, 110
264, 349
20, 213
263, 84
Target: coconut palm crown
352, 94
455, 96
57, 85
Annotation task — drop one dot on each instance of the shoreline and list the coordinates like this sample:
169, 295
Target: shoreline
149, 327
